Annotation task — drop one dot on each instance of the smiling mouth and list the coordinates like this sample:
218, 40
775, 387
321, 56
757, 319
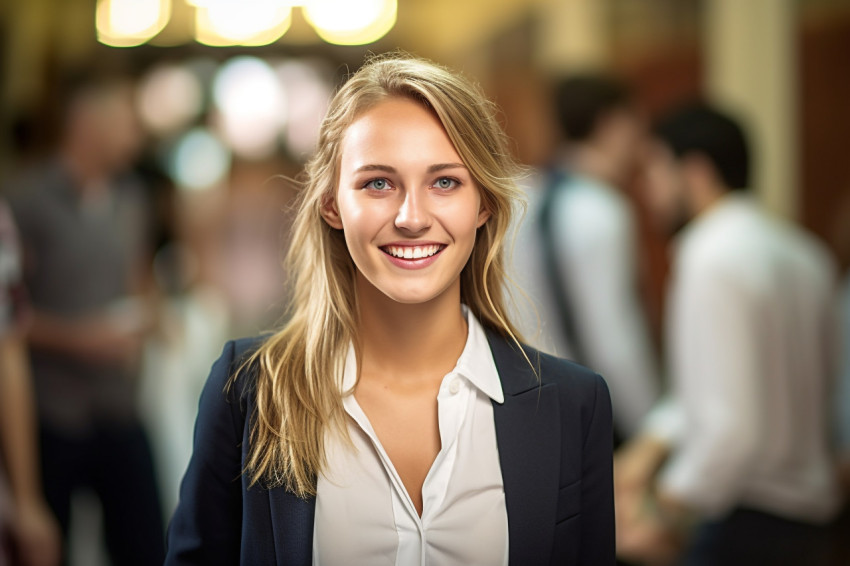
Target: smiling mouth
413, 252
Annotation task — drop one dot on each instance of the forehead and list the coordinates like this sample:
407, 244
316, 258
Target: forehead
397, 128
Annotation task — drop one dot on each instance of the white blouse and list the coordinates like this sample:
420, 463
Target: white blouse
364, 515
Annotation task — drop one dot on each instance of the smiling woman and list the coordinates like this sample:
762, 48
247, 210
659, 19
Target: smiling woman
396, 418
424, 200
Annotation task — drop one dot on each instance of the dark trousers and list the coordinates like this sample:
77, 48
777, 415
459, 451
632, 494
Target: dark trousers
115, 461
753, 538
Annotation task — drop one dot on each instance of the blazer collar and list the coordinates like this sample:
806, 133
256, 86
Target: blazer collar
528, 435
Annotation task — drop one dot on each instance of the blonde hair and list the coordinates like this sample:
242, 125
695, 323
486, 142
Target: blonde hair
299, 368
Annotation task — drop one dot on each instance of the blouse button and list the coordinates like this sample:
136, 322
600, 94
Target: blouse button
454, 386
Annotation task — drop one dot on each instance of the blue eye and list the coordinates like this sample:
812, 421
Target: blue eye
377, 184
446, 183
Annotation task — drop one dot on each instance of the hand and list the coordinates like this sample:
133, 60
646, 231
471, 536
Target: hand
644, 539
104, 340
636, 463
35, 535
635, 467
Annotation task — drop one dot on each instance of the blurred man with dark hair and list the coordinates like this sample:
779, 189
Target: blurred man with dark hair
83, 223
750, 324
576, 256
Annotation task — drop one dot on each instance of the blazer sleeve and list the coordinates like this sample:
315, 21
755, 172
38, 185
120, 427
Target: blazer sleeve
598, 541
206, 525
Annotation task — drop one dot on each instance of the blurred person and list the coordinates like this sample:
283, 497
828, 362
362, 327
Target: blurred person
82, 222
748, 477
576, 254
29, 535
193, 320
394, 418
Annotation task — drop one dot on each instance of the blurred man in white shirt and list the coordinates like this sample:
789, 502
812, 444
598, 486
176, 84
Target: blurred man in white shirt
576, 252
750, 320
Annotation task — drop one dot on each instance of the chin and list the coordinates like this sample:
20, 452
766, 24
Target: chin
409, 297
411, 294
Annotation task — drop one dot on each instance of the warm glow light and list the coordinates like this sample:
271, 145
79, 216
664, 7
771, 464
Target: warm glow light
251, 104
246, 22
351, 22
308, 91
125, 23
170, 97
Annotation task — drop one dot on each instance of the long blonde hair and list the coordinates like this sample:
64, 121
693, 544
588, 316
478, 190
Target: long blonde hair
299, 368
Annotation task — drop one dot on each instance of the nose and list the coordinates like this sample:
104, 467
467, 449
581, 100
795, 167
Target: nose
413, 214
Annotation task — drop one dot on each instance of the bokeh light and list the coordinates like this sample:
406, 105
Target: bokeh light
251, 106
246, 22
351, 22
199, 161
170, 98
308, 92
126, 23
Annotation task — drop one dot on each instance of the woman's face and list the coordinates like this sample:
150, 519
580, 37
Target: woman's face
406, 203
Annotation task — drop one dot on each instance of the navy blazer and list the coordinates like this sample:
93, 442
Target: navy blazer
555, 448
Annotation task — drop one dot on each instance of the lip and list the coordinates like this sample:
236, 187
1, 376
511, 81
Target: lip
418, 263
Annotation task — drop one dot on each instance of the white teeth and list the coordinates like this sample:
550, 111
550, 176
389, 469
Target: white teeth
412, 252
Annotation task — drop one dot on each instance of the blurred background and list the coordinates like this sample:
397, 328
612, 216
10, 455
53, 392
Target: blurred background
229, 95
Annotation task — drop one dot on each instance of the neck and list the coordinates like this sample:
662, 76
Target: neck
591, 162
409, 341
706, 197
85, 169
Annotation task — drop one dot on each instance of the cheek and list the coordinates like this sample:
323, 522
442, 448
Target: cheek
352, 213
465, 219
661, 190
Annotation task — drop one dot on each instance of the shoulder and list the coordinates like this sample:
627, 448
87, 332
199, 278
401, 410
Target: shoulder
572, 379
810, 251
32, 196
583, 399
530, 369
595, 213
231, 378
33, 183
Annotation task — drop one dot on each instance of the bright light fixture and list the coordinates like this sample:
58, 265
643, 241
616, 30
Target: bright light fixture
351, 22
125, 23
246, 22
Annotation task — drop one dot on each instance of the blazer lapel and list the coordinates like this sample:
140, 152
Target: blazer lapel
292, 527
528, 435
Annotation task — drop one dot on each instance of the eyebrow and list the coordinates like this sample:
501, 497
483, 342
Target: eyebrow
389, 169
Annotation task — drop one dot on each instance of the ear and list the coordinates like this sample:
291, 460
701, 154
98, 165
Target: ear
483, 216
330, 212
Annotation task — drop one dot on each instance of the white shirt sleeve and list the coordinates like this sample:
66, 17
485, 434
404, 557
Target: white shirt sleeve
595, 238
714, 362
